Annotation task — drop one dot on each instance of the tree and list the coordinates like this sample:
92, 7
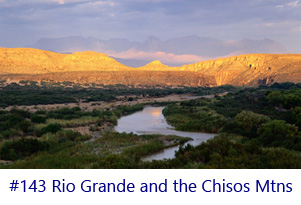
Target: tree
248, 119
275, 98
278, 133
291, 101
297, 117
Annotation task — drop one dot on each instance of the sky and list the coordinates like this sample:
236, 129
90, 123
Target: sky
23, 22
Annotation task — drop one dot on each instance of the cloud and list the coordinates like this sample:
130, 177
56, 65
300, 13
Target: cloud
136, 19
292, 4
50, 4
279, 6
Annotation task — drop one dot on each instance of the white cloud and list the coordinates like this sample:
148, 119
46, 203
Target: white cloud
279, 6
292, 4
100, 3
282, 24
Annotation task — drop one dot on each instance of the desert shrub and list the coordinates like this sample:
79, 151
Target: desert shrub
17, 149
51, 128
38, 119
25, 126
72, 136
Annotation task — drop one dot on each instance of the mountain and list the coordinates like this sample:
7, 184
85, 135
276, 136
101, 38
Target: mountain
184, 50
86, 67
132, 62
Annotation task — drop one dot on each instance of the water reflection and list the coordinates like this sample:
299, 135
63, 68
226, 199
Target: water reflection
156, 112
151, 121
148, 121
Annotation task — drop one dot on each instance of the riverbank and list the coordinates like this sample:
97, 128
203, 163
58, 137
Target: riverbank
151, 121
103, 105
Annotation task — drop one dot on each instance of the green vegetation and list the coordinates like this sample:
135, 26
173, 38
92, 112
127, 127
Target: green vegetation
257, 128
30, 93
226, 151
198, 119
113, 150
16, 149
44, 140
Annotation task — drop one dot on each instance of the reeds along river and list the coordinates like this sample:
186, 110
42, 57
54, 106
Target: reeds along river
151, 121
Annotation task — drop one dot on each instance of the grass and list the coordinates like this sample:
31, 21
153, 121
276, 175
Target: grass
113, 150
82, 121
193, 117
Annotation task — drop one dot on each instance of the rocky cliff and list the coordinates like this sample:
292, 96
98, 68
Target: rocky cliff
252, 69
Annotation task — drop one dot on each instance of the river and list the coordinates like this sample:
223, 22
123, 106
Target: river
151, 121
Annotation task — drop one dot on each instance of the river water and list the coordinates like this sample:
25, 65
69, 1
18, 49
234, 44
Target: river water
151, 121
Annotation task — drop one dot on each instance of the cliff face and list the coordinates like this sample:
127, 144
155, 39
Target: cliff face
252, 69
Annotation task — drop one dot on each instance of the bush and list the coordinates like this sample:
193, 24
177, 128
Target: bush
9, 133
72, 136
25, 126
52, 128
249, 119
278, 133
38, 119
291, 101
18, 149
275, 98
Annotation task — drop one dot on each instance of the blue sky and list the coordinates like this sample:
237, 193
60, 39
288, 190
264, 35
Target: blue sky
23, 22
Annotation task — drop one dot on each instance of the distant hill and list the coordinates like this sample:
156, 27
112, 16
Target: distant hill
36, 61
87, 67
132, 62
173, 52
